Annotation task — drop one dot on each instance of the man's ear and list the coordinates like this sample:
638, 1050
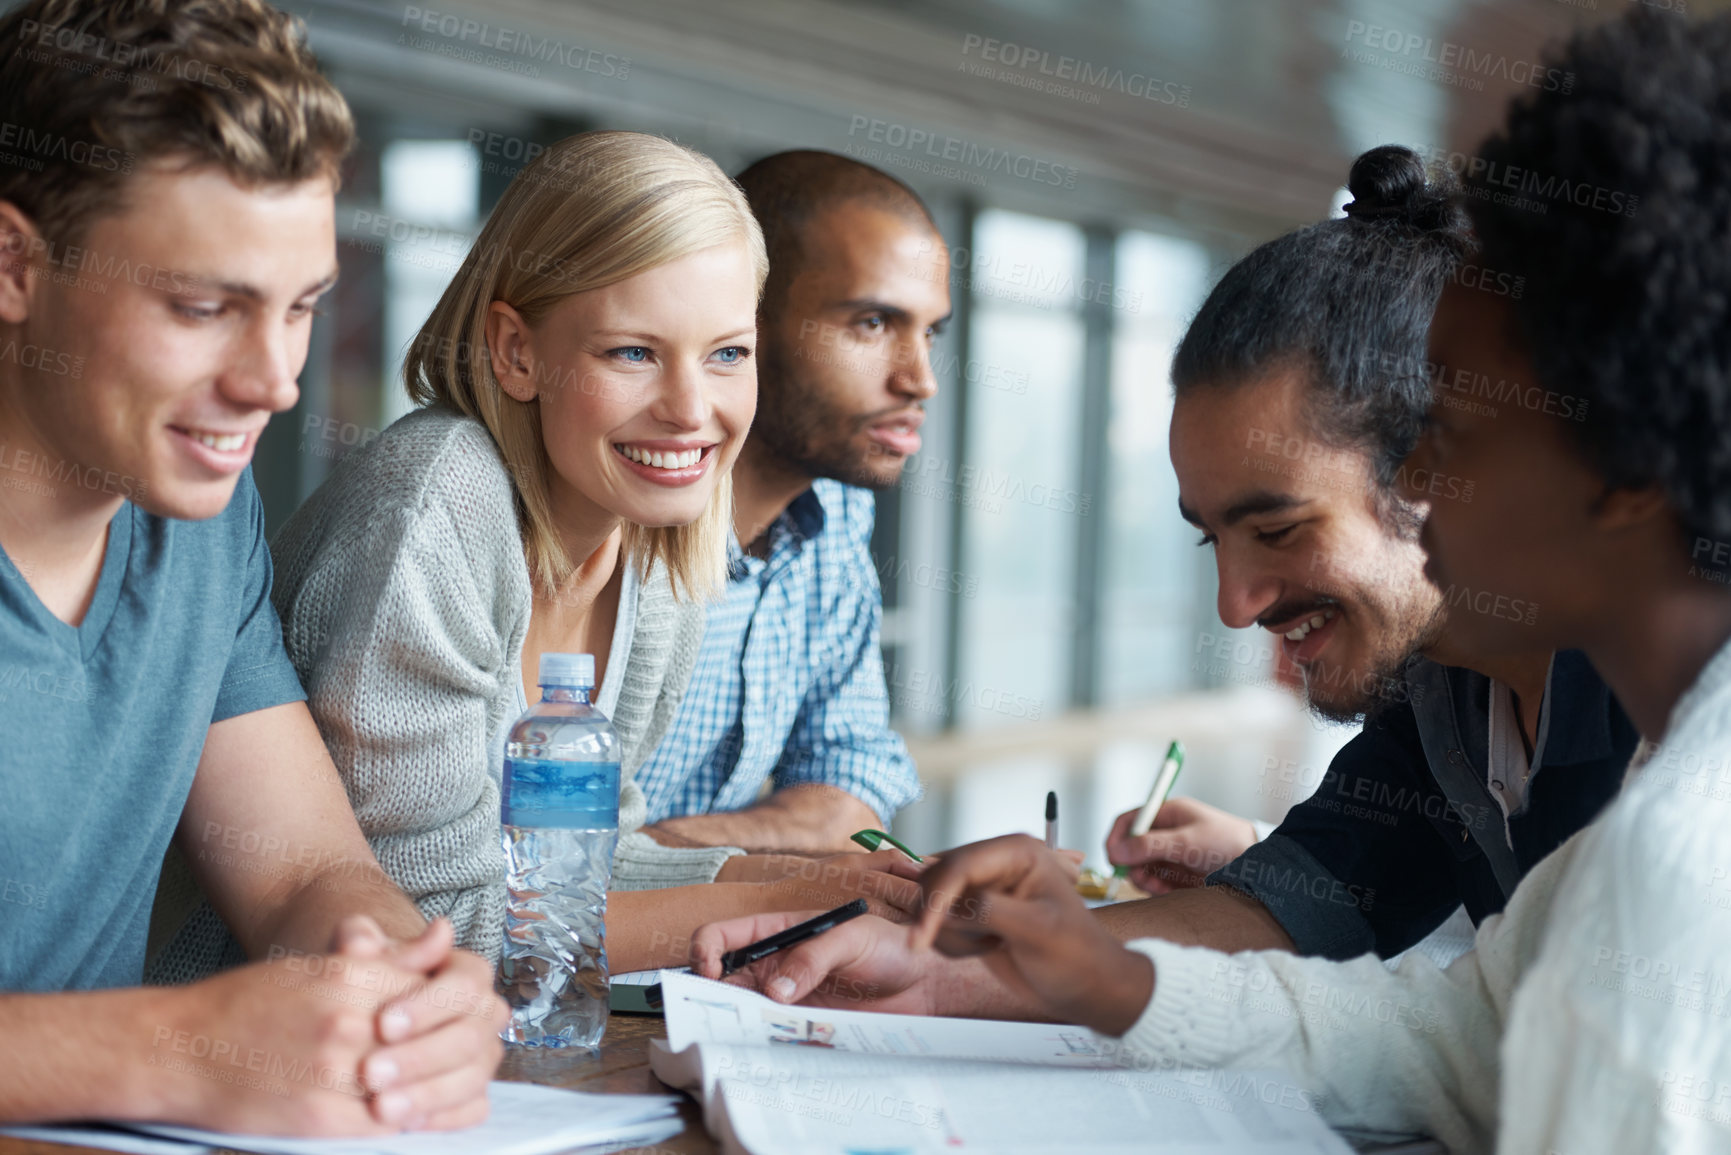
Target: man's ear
19, 241
510, 347
1618, 510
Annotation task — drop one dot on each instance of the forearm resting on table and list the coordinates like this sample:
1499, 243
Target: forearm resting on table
85, 1055
1217, 917
653, 928
805, 818
307, 918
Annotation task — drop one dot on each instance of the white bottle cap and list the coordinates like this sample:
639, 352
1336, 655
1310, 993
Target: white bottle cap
575, 671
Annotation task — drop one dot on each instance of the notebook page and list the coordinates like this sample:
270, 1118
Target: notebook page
701, 1010
1019, 1111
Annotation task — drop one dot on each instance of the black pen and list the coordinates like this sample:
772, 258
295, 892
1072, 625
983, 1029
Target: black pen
735, 960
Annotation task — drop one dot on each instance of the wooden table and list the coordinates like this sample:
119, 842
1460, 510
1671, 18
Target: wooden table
622, 1067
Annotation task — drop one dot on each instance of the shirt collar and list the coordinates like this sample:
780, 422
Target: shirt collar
801, 521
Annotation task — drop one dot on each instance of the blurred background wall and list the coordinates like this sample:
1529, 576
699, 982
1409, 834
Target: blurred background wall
1094, 165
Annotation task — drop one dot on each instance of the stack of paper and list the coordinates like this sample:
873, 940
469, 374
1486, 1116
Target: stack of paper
778, 1080
524, 1120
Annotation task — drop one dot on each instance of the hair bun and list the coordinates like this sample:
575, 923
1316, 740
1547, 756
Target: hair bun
1389, 183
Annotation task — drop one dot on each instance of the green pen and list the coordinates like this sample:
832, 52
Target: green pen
1163, 783
874, 839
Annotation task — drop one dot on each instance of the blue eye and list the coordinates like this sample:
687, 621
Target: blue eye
633, 354
733, 354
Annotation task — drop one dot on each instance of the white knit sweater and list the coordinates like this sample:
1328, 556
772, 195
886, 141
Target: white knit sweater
1593, 1016
405, 599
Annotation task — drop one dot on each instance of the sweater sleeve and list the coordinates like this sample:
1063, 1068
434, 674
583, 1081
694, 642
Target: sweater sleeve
663, 652
397, 634
1413, 1050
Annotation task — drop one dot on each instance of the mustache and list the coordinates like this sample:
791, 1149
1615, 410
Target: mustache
871, 419
1288, 610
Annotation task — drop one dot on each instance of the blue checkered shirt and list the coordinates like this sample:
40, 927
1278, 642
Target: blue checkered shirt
789, 684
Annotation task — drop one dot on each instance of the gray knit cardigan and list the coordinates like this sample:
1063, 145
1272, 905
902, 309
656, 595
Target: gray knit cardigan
405, 599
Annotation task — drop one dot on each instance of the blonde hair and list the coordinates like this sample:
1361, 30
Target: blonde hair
591, 211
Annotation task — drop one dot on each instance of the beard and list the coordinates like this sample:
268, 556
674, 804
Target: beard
1394, 613
806, 429
1340, 693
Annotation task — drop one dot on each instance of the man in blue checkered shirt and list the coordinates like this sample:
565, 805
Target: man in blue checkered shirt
789, 687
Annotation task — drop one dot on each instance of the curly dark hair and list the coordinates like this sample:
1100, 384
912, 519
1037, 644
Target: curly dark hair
93, 90
1350, 301
1628, 266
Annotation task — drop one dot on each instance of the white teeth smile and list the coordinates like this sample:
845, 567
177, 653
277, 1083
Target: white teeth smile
1302, 630
683, 459
221, 442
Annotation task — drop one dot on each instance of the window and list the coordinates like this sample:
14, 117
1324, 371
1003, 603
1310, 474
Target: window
1153, 578
1016, 486
431, 193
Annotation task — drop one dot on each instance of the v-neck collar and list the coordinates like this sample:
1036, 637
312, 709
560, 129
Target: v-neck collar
84, 638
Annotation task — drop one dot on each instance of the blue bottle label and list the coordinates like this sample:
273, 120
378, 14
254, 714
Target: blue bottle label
560, 795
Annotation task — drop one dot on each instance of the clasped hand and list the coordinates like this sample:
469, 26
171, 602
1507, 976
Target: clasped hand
379, 1035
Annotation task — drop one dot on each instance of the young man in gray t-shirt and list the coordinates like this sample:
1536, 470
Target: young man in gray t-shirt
164, 234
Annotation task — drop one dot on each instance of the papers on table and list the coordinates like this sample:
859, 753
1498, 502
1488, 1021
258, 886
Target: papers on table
779, 1080
525, 1120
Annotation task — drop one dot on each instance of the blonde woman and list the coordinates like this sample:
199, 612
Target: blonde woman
586, 382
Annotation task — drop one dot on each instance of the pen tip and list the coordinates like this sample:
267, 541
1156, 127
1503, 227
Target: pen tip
1051, 806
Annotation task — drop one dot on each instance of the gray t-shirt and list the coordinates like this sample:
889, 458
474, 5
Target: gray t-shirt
101, 728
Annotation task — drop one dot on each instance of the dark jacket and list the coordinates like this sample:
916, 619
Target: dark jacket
1403, 827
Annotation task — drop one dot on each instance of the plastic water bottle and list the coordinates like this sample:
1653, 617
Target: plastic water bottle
560, 798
